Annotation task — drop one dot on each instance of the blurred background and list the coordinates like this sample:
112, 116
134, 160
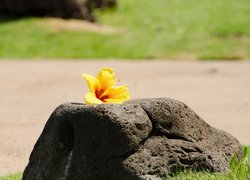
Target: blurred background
194, 51
125, 29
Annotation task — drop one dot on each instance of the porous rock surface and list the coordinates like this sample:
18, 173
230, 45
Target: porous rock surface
140, 139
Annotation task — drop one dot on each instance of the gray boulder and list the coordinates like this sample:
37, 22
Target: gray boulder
76, 9
140, 139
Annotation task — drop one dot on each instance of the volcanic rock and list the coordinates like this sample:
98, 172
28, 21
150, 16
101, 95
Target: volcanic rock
140, 139
75, 9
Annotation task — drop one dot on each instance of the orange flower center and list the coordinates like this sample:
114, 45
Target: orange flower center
99, 95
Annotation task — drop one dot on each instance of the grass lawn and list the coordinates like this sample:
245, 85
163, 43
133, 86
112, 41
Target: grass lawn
239, 171
173, 29
17, 176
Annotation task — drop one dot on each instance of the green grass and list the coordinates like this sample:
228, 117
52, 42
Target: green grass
240, 170
17, 176
176, 29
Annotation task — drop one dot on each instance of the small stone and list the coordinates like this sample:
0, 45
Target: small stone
140, 139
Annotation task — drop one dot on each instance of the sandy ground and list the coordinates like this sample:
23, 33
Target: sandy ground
30, 90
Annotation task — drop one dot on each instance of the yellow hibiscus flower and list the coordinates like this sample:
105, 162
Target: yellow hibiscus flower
102, 89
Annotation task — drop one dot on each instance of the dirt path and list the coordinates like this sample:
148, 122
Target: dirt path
30, 90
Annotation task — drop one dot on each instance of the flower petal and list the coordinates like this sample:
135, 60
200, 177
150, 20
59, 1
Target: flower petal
92, 82
91, 99
106, 78
117, 94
